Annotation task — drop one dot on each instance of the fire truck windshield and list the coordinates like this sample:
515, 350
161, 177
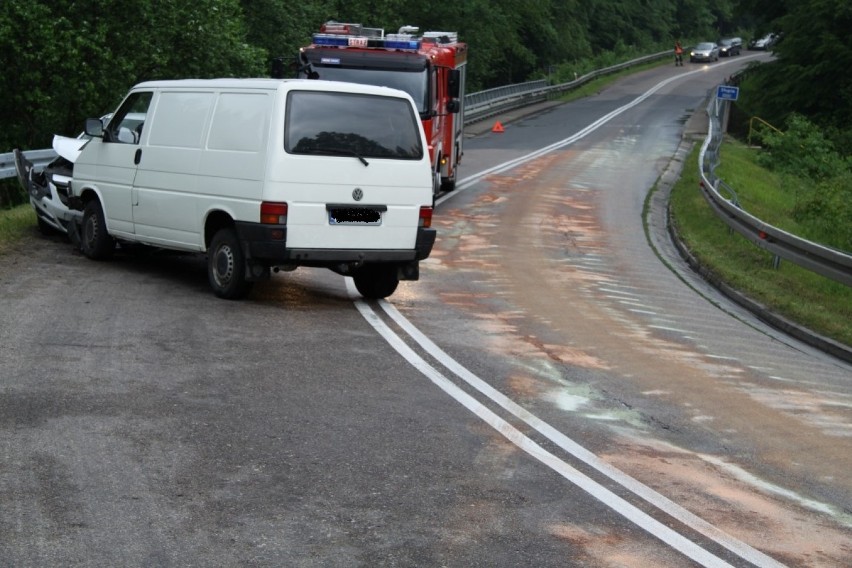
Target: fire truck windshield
415, 83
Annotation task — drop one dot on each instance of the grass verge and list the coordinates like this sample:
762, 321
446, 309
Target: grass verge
14, 224
817, 303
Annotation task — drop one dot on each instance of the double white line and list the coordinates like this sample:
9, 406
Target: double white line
575, 450
587, 484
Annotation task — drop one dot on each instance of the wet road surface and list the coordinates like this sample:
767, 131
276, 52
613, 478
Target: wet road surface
549, 394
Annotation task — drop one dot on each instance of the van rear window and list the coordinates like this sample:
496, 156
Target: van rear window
367, 126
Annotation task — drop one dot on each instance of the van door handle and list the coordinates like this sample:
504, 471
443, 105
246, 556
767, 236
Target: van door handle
138, 157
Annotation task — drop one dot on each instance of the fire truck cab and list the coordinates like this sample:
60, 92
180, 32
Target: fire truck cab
430, 67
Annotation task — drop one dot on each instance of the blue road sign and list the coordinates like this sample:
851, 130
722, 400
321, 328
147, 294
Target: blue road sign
728, 93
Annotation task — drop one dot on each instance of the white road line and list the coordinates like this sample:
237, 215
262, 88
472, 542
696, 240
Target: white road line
596, 490
505, 166
668, 328
724, 357
611, 291
659, 501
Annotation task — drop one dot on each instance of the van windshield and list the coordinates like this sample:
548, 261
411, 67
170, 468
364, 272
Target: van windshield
366, 126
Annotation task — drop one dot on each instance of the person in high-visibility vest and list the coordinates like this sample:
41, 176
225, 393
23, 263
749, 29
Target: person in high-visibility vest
678, 54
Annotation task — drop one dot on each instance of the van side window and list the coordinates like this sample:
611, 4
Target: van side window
179, 120
126, 124
365, 125
240, 122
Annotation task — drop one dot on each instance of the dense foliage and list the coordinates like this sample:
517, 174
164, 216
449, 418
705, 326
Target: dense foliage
811, 74
818, 176
69, 59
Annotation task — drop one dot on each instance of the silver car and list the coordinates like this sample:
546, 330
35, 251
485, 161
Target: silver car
704, 51
764, 43
48, 189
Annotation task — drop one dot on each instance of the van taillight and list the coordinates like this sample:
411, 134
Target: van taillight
273, 213
425, 217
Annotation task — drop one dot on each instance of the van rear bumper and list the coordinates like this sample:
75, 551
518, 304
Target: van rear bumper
259, 245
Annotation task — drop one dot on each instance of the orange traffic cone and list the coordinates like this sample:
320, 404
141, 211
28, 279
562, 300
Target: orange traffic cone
497, 127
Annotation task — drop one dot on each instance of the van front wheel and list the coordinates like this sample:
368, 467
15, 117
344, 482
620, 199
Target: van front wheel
95, 242
376, 281
226, 266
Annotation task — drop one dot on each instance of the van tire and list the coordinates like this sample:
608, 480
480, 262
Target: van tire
95, 242
376, 281
226, 266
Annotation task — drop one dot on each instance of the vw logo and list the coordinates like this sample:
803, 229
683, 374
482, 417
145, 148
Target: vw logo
357, 194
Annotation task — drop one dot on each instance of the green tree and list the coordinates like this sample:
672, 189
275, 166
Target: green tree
811, 73
68, 59
76, 58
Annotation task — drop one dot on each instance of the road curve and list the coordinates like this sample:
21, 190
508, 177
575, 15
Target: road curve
550, 393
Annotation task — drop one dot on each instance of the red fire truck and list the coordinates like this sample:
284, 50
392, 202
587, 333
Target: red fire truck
430, 67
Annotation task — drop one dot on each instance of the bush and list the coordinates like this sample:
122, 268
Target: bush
823, 177
802, 151
827, 211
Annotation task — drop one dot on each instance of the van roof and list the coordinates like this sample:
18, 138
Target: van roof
270, 85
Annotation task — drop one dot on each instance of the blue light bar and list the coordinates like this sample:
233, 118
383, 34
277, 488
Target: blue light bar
335, 40
407, 44
332, 40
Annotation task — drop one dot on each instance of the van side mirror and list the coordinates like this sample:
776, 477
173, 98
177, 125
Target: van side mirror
454, 106
454, 83
94, 127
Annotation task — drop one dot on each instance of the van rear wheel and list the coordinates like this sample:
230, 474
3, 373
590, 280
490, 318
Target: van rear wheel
376, 281
226, 266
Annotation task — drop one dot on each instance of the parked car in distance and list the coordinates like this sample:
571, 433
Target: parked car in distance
730, 46
763, 43
704, 51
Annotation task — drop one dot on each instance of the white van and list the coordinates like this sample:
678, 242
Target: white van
262, 174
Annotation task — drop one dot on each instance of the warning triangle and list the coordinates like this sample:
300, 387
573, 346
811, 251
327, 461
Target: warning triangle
497, 127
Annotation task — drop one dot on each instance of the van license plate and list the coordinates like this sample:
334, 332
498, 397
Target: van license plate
354, 216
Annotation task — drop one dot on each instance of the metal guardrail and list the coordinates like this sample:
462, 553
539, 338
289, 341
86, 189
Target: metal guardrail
823, 260
481, 105
39, 158
484, 104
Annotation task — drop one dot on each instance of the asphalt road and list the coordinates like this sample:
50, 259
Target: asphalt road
557, 389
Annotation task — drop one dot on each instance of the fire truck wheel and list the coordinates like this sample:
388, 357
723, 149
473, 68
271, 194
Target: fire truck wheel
448, 184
